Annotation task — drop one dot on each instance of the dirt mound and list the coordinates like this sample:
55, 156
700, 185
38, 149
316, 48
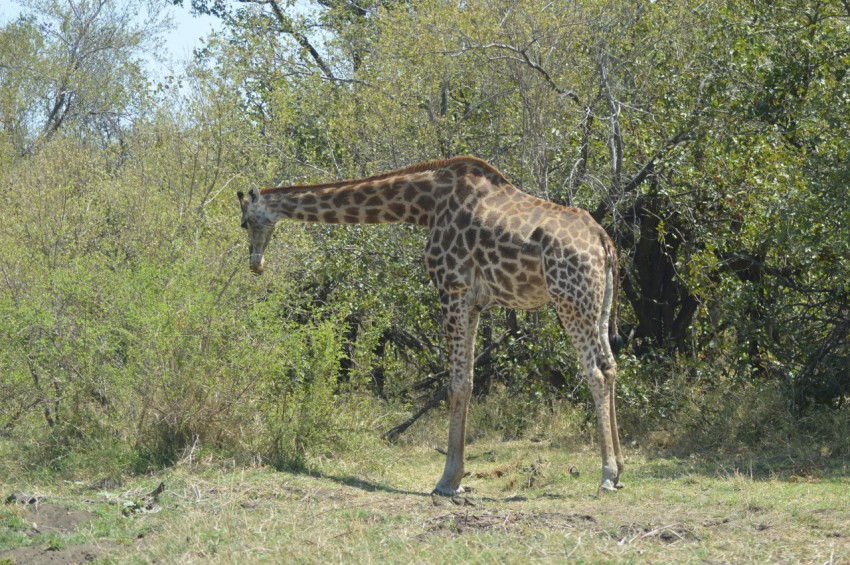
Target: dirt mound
44, 517
59, 556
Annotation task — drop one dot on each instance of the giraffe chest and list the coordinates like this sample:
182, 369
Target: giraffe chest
491, 266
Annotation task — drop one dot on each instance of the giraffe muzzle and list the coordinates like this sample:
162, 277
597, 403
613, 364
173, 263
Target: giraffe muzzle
258, 264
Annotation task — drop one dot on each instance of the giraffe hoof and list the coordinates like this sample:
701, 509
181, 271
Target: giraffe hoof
447, 491
607, 486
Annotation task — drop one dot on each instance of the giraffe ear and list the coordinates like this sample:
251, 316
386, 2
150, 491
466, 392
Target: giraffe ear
254, 194
241, 196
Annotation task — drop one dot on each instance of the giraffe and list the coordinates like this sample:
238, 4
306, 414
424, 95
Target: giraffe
489, 244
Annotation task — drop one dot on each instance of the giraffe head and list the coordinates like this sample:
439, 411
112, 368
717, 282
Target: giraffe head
260, 225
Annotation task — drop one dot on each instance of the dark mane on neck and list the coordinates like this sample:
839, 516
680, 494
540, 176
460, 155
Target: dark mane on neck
411, 169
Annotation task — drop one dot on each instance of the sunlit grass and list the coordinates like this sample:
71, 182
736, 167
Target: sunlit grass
374, 505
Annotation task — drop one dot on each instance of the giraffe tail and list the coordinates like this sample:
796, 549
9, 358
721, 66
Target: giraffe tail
612, 293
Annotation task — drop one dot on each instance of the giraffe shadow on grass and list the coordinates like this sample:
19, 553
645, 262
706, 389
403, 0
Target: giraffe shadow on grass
362, 484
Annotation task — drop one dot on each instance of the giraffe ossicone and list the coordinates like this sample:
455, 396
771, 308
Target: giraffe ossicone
489, 244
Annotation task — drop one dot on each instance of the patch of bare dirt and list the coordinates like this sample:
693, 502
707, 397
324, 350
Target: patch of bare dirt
45, 517
46, 555
55, 518
458, 523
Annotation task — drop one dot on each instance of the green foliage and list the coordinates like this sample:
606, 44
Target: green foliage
120, 329
299, 397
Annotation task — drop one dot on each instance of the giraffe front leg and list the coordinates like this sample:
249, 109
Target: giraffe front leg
459, 394
461, 323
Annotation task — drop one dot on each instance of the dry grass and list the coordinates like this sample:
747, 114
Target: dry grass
525, 506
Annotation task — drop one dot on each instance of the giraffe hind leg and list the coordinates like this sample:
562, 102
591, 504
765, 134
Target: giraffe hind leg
598, 364
615, 433
608, 366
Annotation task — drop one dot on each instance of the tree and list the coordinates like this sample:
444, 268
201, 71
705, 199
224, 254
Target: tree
790, 72
75, 66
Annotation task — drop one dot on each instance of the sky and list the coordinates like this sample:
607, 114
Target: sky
188, 33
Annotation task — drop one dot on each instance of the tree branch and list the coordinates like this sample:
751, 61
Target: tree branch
536, 66
837, 335
300, 38
647, 169
684, 134
615, 136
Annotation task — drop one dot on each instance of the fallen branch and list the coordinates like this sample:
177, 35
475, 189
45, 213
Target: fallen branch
393, 434
441, 394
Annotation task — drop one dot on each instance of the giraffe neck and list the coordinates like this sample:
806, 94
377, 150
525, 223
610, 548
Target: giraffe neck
412, 195
406, 197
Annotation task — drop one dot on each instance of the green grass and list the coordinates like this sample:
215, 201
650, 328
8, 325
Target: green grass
525, 506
